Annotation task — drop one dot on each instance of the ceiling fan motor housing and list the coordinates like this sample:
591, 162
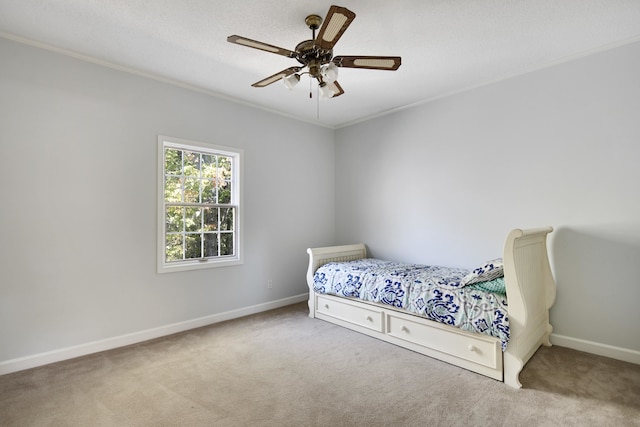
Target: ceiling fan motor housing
312, 56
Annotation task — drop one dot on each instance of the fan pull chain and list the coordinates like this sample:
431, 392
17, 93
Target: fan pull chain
318, 103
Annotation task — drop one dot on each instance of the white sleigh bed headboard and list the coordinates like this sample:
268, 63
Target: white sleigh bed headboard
320, 256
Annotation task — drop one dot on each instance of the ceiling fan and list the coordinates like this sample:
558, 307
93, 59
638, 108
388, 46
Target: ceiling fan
316, 55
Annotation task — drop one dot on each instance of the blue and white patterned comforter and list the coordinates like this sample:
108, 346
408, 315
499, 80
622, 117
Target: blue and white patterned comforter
428, 291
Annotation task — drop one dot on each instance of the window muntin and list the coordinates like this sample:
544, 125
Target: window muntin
199, 212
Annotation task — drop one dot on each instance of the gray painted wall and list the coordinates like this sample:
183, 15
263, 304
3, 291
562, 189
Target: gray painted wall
441, 183
78, 146
444, 182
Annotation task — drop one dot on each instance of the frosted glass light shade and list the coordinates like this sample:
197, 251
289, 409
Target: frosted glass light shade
291, 80
330, 73
326, 91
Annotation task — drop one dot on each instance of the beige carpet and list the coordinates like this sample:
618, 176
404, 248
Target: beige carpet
282, 368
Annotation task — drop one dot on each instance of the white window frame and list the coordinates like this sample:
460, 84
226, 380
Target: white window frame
236, 200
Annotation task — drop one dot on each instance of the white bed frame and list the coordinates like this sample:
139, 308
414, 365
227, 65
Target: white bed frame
531, 292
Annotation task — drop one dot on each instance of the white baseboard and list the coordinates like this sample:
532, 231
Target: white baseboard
40, 359
618, 353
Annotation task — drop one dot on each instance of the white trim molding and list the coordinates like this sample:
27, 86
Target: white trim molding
618, 353
32, 361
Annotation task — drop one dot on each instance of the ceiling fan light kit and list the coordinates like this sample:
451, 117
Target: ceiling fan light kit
291, 80
316, 55
330, 73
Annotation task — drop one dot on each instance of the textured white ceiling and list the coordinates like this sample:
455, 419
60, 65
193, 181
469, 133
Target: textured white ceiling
446, 45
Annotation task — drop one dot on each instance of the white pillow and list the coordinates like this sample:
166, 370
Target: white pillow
490, 270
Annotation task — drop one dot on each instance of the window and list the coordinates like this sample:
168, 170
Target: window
198, 205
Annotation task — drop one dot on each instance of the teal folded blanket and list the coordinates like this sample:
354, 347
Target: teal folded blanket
496, 286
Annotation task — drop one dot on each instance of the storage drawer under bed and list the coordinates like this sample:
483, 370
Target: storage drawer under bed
474, 348
371, 318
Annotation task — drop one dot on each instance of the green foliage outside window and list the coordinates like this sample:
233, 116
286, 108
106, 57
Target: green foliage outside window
199, 215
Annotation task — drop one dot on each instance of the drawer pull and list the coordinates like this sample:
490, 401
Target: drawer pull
370, 319
326, 306
472, 348
404, 329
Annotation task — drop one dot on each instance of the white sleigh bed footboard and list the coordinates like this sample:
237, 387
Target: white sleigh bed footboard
530, 292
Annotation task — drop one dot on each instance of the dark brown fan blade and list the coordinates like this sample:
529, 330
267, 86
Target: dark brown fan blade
334, 25
260, 45
336, 88
277, 76
390, 63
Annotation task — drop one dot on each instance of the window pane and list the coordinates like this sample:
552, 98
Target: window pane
226, 244
192, 246
173, 189
224, 192
210, 244
172, 161
174, 217
208, 191
192, 219
192, 190
224, 179
191, 164
224, 164
208, 166
210, 219
174, 250
226, 219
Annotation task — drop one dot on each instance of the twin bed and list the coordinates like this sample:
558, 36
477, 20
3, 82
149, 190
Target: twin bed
489, 320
